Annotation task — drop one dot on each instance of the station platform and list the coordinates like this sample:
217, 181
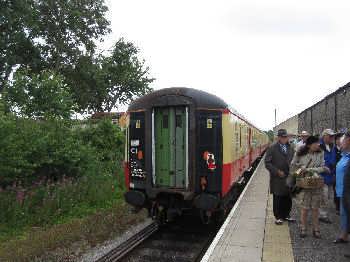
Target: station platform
249, 233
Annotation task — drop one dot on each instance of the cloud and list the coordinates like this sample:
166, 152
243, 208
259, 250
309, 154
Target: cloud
257, 55
281, 21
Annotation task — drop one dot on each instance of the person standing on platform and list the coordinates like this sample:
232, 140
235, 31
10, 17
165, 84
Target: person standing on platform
309, 158
277, 162
346, 187
327, 146
338, 155
304, 135
343, 190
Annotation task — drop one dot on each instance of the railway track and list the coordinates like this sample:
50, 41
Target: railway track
117, 253
184, 240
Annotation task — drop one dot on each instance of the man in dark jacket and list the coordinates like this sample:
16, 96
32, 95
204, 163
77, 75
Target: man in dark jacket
277, 161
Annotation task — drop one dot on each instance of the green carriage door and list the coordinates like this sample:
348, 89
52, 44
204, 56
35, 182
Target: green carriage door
170, 146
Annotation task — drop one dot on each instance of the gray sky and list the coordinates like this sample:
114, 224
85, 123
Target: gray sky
256, 55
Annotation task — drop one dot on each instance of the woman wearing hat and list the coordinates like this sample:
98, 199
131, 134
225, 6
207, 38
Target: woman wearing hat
309, 158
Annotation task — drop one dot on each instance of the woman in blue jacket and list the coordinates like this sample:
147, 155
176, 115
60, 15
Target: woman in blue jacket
342, 173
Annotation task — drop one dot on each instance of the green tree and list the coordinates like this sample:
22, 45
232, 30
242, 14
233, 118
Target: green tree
61, 36
2, 106
101, 83
44, 95
270, 135
48, 34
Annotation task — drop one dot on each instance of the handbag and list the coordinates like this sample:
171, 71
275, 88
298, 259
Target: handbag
308, 179
291, 182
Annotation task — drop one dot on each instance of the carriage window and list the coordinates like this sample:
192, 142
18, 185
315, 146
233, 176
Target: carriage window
138, 124
165, 121
209, 123
178, 121
240, 136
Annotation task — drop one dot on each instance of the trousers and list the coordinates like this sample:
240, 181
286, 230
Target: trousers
282, 206
343, 217
327, 200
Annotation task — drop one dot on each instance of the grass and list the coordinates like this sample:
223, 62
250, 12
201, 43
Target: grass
67, 241
57, 203
69, 216
56, 186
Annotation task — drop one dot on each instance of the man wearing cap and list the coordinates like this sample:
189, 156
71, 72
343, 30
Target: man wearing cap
304, 135
277, 161
327, 145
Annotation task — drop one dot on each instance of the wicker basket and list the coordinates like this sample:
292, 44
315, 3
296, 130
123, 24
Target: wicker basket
310, 182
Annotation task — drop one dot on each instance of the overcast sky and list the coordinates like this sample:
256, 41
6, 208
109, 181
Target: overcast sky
256, 55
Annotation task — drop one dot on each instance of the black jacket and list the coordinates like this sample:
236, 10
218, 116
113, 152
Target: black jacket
338, 154
276, 160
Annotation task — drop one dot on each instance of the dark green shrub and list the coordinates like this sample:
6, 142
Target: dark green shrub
107, 139
31, 151
53, 170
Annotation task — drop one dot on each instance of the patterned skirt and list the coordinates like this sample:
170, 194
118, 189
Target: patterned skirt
310, 198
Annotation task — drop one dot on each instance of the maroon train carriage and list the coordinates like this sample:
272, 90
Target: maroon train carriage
187, 149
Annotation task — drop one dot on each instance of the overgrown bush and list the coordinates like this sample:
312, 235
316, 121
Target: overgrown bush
54, 202
52, 170
107, 140
31, 151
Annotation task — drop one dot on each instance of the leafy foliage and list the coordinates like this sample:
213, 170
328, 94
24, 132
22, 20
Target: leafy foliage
56, 170
108, 142
48, 34
270, 135
2, 106
60, 37
101, 83
39, 96
47, 204
33, 151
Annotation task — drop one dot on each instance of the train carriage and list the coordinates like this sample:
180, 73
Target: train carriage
186, 149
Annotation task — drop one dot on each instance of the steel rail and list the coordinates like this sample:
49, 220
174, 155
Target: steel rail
125, 247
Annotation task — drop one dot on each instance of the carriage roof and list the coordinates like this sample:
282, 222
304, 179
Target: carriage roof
199, 98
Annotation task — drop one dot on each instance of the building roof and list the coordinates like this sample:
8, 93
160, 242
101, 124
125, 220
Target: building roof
339, 90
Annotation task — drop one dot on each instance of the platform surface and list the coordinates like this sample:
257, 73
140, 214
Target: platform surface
249, 233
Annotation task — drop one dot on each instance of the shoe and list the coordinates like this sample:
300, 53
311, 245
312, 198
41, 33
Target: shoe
279, 222
340, 241
316, 234
303, 233
290, 219
325, 220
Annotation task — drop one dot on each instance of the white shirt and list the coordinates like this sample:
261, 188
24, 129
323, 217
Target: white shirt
299, 145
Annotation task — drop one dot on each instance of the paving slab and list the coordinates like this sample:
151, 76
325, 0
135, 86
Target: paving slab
277, 242
241, 237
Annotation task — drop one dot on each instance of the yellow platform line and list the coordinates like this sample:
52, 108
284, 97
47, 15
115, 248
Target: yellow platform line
277, 242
